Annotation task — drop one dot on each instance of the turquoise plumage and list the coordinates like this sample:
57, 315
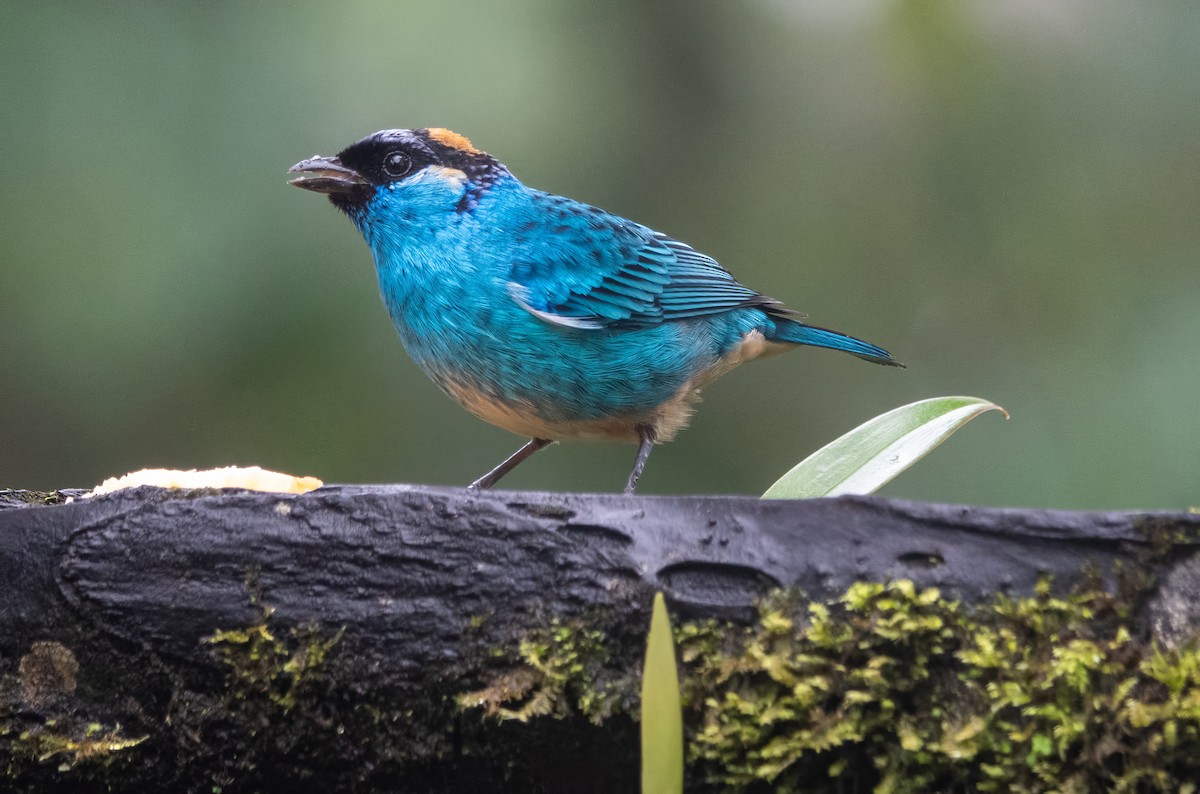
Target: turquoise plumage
545, 316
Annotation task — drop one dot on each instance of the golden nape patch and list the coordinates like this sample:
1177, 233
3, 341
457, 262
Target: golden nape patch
452, 176
452, 139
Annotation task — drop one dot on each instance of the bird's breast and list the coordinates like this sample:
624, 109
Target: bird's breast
527, 419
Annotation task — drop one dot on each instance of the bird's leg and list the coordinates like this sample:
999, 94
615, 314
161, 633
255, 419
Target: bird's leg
647, 435
513, 460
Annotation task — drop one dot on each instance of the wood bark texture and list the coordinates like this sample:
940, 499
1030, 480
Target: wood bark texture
235, 641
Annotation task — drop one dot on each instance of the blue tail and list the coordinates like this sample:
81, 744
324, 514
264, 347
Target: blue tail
800, 334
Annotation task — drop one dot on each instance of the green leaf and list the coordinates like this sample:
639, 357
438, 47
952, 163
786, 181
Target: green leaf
662, 720
870, 455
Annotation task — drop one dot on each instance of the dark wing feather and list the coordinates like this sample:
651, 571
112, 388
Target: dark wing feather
585, 268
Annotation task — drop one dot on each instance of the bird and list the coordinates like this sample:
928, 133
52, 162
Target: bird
545, 316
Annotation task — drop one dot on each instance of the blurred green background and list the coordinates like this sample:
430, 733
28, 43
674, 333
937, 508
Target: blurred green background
1004, 194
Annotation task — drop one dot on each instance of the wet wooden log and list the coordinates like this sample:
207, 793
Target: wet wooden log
233, 641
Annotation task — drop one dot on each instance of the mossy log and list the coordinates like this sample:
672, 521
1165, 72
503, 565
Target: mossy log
398, 638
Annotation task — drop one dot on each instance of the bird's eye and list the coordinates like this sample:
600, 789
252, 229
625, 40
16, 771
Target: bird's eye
396, 164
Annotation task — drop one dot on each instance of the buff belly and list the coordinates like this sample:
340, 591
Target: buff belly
667, 418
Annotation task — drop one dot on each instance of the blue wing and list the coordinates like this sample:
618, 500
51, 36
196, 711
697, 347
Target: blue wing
582, 267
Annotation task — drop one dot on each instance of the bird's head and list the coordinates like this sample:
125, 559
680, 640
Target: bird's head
406, 172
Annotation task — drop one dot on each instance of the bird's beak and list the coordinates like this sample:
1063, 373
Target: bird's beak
329, 176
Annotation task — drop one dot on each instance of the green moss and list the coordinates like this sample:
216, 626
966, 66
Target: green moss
46, 732
904, 691
302, 698
894, 688
68, 744
1163, 536
10, 496
564, 669
263, 666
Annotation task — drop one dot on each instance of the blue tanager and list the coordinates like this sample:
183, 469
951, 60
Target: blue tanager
542, 315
